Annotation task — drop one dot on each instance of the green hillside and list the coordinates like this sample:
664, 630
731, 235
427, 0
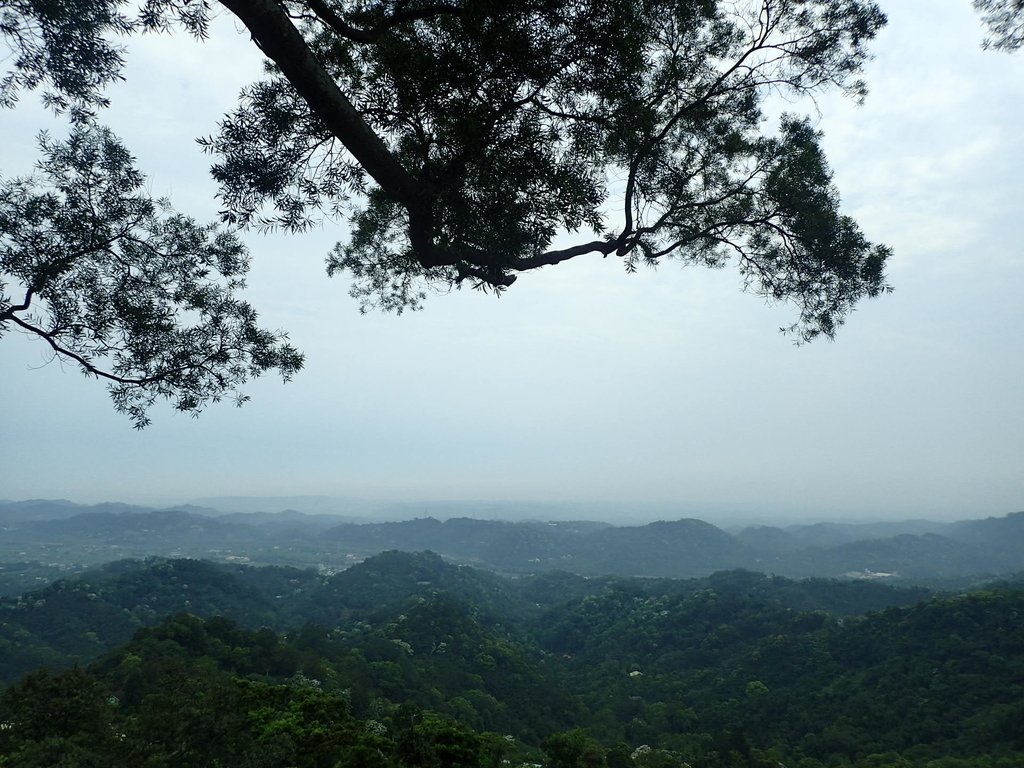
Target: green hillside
406, 660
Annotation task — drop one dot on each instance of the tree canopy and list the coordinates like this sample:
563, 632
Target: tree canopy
474, 669
455, 139
1005, 22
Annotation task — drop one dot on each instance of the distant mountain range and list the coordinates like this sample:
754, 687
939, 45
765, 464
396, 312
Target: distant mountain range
61, 534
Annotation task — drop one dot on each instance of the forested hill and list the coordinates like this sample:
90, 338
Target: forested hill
75, 619
41, 538
412, 661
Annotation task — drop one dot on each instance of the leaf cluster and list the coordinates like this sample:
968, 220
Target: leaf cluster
135, 294
1005, 22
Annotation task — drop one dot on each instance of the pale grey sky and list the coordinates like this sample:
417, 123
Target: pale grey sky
584, 383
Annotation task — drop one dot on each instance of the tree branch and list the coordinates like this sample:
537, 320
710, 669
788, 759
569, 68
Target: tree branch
83, 361
8, 314
549, 258
278, 38
335, 21
500, 278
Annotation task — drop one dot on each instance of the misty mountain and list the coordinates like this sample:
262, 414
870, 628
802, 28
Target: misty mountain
40, 510
285, 520
929, 556
58, 509
913, 550
137, 528
996, 532
676, 548
343, 507
833, 534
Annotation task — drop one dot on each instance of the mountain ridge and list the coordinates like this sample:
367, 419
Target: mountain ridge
913, 550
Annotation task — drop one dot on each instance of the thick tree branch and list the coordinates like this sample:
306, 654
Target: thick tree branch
278, 38
500, 278
549, 258
335, 21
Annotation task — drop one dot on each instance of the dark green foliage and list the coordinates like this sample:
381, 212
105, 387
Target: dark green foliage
573, 749
187, 694
718, 673
835, 689
46, 704
385, 581
22, 576
76, 619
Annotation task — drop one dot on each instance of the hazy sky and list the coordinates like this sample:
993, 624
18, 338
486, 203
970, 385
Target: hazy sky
584, 383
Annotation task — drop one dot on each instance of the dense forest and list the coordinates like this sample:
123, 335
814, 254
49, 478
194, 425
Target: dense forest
409, 660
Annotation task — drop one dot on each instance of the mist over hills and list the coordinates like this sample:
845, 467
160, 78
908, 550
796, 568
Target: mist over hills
368, 510
61, 534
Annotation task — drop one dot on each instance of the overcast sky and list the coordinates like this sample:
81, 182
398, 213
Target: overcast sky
586, 384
